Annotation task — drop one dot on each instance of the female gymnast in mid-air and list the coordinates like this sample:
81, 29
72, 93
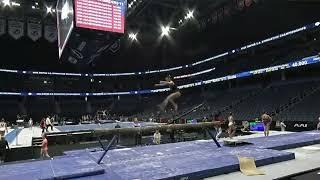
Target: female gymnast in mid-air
174, 93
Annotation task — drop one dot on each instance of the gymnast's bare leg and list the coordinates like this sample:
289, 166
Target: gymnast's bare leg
171, 98
175, 93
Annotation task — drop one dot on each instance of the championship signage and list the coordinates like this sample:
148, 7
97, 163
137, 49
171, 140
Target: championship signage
34, 29
16, 28
300, 125
2, 26
115, 46
50, 33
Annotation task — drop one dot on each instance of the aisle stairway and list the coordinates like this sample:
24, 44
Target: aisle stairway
302, 108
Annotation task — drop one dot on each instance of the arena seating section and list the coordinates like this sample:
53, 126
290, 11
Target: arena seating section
305, 110
247, 99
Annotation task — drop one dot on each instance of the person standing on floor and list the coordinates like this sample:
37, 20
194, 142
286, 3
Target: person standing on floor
3, 127
43, 124
49, 123
30, 123
118, 127
138, 137
266, 119
157, 137
231, 126
318, 126
3, 148
44, 147
283, 126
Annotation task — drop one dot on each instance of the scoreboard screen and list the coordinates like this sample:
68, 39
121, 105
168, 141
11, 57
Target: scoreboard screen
103, 15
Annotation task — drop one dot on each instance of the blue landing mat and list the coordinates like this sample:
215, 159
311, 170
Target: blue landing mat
197, 159
287, 141
61, 168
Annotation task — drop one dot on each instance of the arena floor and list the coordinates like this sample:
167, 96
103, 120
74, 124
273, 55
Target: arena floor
307, 158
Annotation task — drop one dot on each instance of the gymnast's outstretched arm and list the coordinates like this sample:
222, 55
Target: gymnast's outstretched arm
164, 83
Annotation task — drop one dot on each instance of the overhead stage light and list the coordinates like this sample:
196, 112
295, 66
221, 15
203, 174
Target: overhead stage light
165, 30
133, 36
49, 10
189, 15
15, 4
6, 2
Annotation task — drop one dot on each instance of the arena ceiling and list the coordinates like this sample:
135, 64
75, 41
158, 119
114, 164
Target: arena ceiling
218, 25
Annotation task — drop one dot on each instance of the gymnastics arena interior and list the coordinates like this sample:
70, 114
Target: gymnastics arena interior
160, 89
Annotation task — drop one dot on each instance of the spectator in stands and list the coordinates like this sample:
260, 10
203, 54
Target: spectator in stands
44, 147
283, 126
3, 148
30, 123
43, 124
231, 126
157, 137
266, 119
48, 123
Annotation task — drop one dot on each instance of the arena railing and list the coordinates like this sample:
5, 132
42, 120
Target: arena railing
230, 52
301, 62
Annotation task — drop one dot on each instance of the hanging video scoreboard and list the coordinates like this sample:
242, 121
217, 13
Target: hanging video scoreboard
103, 15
